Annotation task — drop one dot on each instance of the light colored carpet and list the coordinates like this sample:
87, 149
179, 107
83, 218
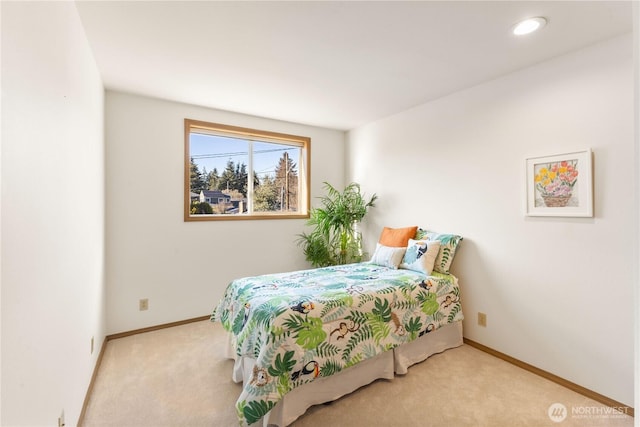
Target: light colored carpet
178, 377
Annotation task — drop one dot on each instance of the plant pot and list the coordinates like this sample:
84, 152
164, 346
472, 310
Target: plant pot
556, 201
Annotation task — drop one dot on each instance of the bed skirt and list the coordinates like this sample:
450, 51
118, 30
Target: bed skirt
326, 389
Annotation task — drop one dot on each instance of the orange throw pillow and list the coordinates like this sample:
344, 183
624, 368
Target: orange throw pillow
397, 237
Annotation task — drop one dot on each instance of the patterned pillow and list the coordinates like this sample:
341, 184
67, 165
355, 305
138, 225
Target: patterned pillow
448, 245
421, 255
388, 256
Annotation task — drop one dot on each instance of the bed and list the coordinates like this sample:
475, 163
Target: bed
307, 337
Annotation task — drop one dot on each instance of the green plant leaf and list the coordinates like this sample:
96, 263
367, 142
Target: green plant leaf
282, 365
380, 330
414, 325
312, 334
430, 304
332, 240
382, 310
330, 368
256, 409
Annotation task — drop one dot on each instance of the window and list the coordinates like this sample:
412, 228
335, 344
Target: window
239, 173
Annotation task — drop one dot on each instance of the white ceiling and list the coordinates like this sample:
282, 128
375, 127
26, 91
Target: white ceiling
331, 64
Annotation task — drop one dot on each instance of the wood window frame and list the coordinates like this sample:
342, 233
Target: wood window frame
304, 168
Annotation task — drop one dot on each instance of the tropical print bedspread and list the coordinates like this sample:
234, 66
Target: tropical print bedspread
307, 324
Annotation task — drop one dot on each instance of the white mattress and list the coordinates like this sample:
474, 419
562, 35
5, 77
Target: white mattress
326, 389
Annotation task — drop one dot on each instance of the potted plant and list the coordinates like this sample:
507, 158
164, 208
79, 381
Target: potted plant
336, 237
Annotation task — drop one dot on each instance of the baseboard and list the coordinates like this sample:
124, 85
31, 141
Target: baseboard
122, 335
156, 328
91, 383
554, 378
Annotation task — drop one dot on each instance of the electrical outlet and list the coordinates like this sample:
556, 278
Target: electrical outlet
61, 419
91, 345
144, 304
482, 319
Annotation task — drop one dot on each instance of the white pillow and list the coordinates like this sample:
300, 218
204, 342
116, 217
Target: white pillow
421, 255
387, 256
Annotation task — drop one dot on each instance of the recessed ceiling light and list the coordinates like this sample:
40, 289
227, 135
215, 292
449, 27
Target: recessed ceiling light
529, 25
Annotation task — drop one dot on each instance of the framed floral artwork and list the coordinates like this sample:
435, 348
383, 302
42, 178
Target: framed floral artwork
560, 185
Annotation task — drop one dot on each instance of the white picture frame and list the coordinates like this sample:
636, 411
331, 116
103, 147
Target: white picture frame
560, 185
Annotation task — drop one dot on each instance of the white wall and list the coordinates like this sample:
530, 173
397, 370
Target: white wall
184, 267
636, 275
1, 116
557, 291
52, 213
